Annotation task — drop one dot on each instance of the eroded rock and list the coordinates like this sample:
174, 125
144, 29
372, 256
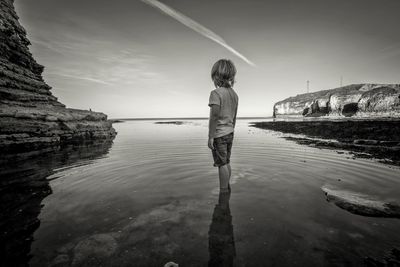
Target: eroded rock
383, 99
30, 116
361, 204
378, 100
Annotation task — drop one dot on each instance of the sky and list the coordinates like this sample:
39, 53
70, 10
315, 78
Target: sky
152, 59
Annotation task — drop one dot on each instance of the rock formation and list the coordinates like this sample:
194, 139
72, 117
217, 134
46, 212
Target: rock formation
362, 100
30, 116
377, 138
361, 204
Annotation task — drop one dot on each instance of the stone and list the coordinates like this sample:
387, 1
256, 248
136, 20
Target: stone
99, 246
366, 142
391, 259
60, 260
171, 264
361, 204
368, 138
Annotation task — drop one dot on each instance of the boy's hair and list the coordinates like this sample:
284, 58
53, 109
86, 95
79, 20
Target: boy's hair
223, 73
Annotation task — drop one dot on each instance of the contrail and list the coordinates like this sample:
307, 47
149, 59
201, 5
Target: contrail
195, 26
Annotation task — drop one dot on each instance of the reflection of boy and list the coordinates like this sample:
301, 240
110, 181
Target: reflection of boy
221, 243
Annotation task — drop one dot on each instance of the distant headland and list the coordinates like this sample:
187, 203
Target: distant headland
355, 100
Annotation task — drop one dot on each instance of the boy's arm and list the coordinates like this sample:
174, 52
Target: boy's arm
234, 118
212, 125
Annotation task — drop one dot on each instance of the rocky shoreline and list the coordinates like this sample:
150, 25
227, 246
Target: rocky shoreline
30, 116
378, 139
170, 122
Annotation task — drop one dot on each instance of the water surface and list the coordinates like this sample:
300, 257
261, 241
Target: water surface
154, 198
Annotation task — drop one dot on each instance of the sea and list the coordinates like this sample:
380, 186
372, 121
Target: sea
151, 197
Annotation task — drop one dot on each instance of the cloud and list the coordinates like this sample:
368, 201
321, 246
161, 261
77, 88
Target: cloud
79, 77
390, 51
196, 27
97, 61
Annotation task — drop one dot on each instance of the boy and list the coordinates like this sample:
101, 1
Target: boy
223, 109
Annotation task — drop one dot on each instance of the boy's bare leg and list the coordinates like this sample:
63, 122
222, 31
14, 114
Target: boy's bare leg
230, 173
223, 172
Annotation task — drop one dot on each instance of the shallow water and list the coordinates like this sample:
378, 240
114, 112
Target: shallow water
153, 198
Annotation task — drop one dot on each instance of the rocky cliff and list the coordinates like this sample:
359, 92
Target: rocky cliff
30, 116
363, 100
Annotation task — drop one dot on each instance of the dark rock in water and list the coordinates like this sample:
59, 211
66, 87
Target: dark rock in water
392, 259
373, 138
23, 186
381, 130
367, 142
170, 122
117, 121
96, 247
30, 116
361, 204
61, 260
364, 100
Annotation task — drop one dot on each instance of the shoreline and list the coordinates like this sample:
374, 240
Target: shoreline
373, 138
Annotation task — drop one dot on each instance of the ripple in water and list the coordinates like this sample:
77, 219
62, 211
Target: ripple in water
154, 199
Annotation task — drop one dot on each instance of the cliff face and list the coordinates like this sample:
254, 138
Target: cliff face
30, 116
364, 100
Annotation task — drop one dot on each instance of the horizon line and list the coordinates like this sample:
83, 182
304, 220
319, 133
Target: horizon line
187, 118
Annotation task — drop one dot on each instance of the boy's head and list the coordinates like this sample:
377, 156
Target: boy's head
223, 73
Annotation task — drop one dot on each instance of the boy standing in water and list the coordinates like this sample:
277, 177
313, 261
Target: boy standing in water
223, 109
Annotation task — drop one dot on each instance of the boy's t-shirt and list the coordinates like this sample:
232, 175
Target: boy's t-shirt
228, 100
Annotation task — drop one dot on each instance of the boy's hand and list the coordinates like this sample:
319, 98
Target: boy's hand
211, 143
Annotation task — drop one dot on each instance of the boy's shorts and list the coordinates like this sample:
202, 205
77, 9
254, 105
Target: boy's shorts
222, 150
